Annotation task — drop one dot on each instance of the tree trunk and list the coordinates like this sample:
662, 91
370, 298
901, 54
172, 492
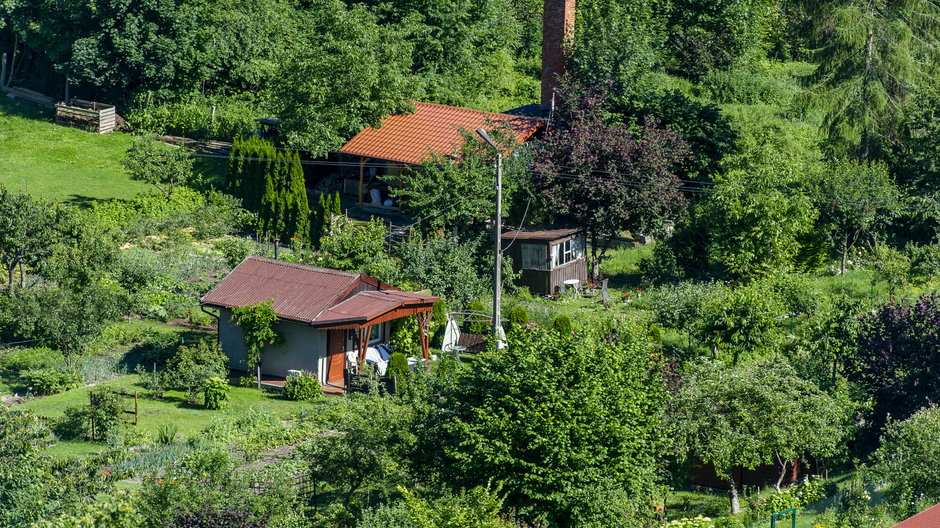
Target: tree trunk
845, 254
22, 274
733, 489
783, 471
595, 264
866, 91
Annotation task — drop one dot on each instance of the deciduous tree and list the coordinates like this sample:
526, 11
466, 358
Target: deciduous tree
574, 440
604, 177
763, 413
163, 166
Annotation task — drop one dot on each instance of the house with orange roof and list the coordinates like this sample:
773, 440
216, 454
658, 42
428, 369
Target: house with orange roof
407, 140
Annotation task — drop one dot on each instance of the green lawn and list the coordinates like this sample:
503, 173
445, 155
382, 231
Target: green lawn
172, 409
61, 163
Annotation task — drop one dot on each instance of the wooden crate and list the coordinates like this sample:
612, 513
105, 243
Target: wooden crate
87, 115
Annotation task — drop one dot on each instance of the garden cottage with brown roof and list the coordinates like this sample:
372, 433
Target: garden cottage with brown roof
323, 314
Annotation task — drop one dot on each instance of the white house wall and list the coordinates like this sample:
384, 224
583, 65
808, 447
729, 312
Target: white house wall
302, 349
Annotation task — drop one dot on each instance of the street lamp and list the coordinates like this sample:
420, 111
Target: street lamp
498, 250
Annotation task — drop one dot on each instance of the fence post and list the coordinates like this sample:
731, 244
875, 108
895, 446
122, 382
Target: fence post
136, 411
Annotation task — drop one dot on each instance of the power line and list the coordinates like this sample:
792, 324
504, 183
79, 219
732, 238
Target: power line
686, 185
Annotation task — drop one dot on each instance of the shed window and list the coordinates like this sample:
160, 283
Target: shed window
567, 251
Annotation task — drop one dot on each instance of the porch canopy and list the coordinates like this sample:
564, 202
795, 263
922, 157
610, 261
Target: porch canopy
323, 298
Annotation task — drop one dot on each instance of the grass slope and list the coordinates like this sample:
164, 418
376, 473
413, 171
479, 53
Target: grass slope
61, 163
172, 409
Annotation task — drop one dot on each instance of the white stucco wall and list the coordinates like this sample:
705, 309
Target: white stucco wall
304, 348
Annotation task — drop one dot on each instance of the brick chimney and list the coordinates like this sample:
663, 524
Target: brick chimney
557, 28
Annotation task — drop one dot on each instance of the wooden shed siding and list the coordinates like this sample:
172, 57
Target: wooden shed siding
544, 282
576, 269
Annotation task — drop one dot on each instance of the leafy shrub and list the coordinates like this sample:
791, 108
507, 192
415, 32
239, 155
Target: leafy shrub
193, 365
166, 434
518, 316
235, 249
925, 260
30, 359
662, 265
404, 336
51, 381
215, 393
397, 365
303, 388
94, 421
562, 325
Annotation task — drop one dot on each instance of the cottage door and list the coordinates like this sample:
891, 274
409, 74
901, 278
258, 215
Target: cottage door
337, 358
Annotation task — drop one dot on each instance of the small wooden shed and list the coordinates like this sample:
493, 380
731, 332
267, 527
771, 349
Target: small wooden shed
86, 115
547, 256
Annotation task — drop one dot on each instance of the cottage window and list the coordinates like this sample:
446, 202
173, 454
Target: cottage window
567, 251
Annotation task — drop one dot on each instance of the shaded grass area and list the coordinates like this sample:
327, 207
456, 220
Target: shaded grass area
61, 163
172, 409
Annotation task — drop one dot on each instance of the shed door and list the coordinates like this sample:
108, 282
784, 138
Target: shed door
337, 358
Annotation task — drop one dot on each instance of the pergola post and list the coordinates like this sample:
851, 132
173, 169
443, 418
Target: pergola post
423, 319
364, 333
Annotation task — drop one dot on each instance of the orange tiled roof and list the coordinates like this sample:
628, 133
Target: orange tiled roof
431, 128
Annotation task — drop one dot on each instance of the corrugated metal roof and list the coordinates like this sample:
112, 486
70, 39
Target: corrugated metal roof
370, 304
299, 292
431, 128
929, 518
307, 294
541, 233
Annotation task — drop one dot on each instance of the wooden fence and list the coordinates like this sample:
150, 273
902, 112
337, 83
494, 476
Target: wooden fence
86, 115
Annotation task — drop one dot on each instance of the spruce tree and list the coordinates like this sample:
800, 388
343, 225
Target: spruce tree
298, 207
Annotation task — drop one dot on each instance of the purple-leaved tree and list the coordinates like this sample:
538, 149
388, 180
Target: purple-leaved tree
604, 177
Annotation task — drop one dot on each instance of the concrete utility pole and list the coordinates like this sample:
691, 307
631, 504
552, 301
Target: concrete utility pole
497, 248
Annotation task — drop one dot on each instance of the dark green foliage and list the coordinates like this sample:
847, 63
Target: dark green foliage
702, 125
215, 393
284, 212
592, 392
397, 365
249, 162
707, 34
304, 387
325, 208
50, 380
562, 326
